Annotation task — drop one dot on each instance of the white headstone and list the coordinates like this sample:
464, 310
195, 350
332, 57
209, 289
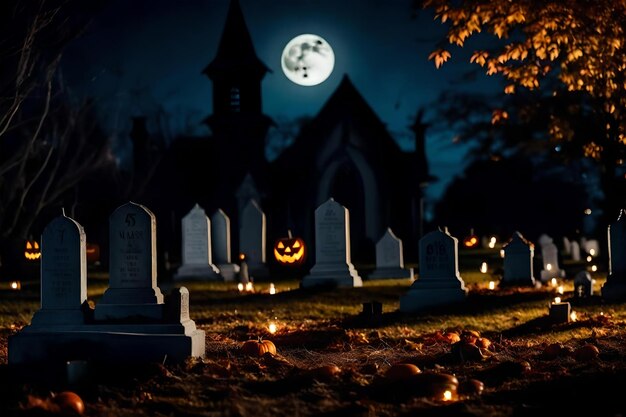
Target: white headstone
252, 238
575, 251
389, 258
133, 290
518, 261
439, 282
196, 247
592, 247
333, 265
63, 274
550, 257
544, 240
615, 286
567, 246
220, 243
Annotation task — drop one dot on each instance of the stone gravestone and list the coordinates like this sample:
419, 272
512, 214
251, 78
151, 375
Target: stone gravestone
567, 246
615, 286
252, 238
333, 266
63, 274
389, 258
590, 246
550, 258
133, 290
60, 333
196, 248
220, 243
583, 285
518, 262
575, 251
544, 240
439, 282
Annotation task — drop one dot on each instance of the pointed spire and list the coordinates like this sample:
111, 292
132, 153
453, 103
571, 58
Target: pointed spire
236, 50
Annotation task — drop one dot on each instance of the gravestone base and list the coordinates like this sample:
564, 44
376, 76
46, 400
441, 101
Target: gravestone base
614, 288
332, 275
106, 312
229, 271
198, 272
423, 295
62, 317
389, 273
129, 345
548, 275
123, 303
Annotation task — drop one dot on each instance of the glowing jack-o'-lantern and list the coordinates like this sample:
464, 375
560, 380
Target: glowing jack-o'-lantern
32, 252
290, 250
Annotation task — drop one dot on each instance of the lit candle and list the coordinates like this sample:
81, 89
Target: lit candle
589, 258
483, 267
492, 242
240, 287
272, 289
548, 267
16, 285
592, 252
573, 316
492, 285
553, 282
557, 300
249, 287
594, 268
447, 395
272, 327
560, 289
501, 253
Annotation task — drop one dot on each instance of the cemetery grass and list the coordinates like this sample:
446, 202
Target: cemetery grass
318, 328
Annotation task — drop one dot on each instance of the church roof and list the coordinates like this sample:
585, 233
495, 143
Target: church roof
236, 50
348, 108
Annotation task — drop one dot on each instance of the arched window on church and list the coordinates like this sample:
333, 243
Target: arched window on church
235, 99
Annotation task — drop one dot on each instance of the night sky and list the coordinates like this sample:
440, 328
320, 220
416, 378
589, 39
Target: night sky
145, 57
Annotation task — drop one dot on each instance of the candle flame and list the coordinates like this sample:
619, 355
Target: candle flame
557, 300
447, 395
492, 242
594, 268
15, 285
492, 285
483, 267
573, 316
240, 287
249, 287
548, 267
560, 289
553, 282
592, 252
589, 258
272, 289
501, 253
272, 328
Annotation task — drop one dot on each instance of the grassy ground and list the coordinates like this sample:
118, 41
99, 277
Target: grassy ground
316, 328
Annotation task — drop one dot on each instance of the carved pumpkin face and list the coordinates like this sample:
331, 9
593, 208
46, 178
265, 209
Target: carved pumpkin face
290, 251
32, 252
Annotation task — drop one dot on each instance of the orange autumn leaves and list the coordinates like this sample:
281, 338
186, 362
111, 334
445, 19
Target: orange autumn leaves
584, 47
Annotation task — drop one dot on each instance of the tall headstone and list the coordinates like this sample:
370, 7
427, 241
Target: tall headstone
567, 246
550, 258
575, 251
583, 285
63, 274
220, 244
333, 264
439, 281
133, 290
544, 240
252, 238
196, 248
389, 258
518, 262
615, 286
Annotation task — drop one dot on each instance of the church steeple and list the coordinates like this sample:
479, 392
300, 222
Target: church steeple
236, 70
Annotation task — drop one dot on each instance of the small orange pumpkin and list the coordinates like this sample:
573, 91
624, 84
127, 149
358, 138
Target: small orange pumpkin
258, 347
69, 403
402, 371
290, 250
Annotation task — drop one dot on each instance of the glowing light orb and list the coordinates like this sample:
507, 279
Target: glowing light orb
307, 60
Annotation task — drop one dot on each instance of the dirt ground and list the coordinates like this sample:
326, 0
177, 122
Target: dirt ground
331, 361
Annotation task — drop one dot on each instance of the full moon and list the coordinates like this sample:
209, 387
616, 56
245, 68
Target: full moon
307, 60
